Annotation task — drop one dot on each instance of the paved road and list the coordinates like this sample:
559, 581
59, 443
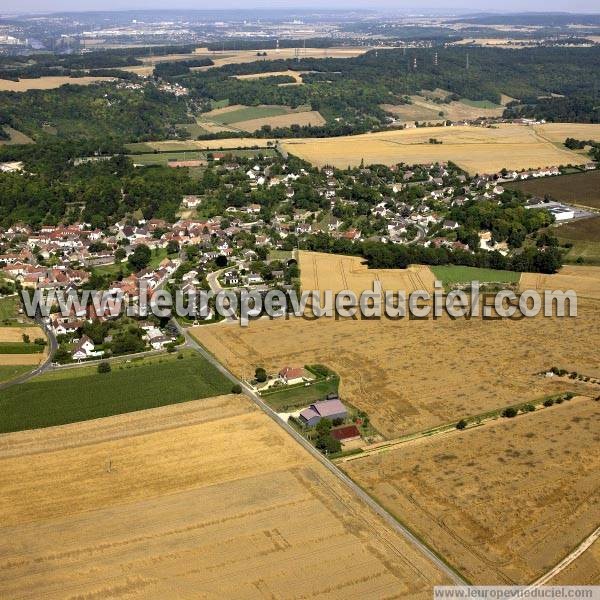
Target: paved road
386, 516
213, 280
43, 367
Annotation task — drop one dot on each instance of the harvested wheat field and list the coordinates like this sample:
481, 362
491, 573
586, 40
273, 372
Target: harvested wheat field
47, 83
322, 271
503, 503
410, 375
11, 360
207, 499
584, 280
475, 149
585, 570
303, 118
559, 132
15, 334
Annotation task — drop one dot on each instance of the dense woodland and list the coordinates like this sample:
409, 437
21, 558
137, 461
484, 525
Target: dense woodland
100, 191
354, 88
96, 111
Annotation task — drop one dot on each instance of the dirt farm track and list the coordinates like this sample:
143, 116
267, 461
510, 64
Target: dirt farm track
504, 502
206, 499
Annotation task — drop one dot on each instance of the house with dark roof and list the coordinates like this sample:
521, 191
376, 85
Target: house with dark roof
326, 409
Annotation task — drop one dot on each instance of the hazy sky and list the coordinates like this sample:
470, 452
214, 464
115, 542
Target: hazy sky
21, 6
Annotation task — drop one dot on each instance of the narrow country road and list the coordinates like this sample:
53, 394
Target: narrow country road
41, 368
359, 492
565, 562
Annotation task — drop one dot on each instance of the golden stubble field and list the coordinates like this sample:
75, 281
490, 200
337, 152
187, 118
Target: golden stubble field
47, 83
475, 149
583, 571
584, 280
409, 375
322, 271
503, 502
304, 118
15, 334
206, 499
229, 57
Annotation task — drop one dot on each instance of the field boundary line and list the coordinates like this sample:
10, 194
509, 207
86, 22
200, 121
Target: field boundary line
565, 562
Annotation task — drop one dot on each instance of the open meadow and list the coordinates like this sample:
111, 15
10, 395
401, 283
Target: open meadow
423, 108
475, 149
253, 118
503, 502
409, 375
206, 499
15, 137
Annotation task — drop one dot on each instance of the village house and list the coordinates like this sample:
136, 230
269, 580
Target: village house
293, 375
326, 409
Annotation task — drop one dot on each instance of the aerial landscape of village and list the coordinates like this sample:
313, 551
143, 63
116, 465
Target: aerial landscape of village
299, 302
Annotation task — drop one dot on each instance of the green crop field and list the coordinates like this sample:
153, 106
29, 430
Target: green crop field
79, 394
250, 112
578, 188
19, 348
8, 372
456, 274
194, 129
8, 309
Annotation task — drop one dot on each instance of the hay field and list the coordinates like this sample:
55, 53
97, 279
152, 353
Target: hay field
422, 109
475, 149
504, 502
559, 132
207, 499
47, 83
410, 375
584, 280
308, 117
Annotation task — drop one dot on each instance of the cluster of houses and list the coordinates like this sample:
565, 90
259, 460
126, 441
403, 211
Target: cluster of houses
63, 256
